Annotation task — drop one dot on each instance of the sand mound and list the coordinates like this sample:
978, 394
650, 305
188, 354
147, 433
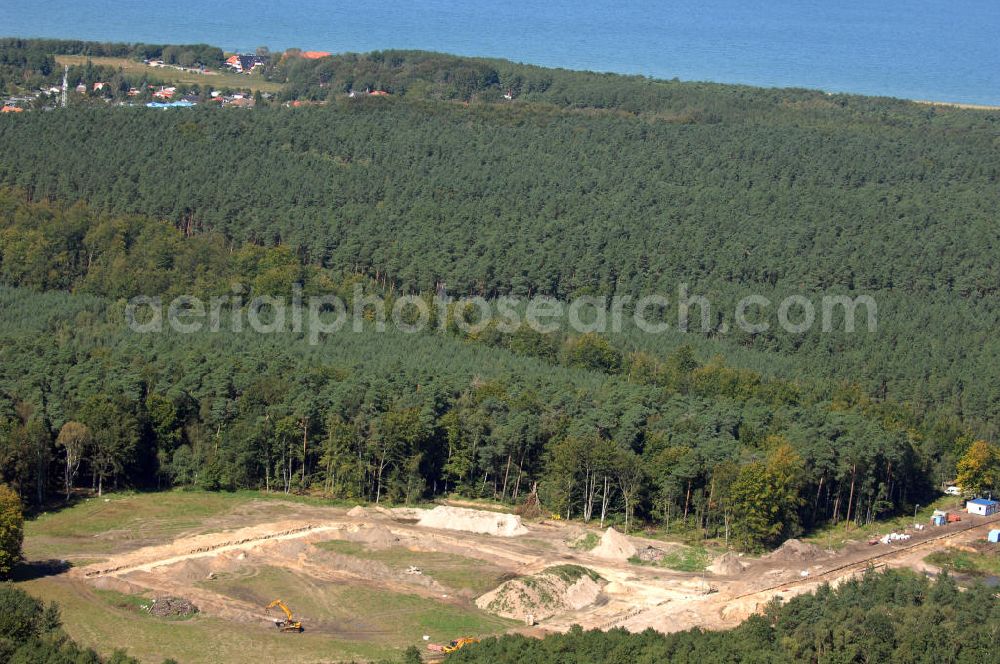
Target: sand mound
473, 521
357, 512
543, 595
193, 570
794, 549
614, 546
118, 585
406, 513
727, 564
375, 536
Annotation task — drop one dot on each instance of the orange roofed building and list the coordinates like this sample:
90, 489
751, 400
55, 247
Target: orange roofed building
11, 109
315, 55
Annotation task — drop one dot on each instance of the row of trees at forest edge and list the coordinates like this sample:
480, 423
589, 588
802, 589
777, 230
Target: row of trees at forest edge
678, 446
479, 445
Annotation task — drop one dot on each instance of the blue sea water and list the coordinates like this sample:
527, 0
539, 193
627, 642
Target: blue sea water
943, 50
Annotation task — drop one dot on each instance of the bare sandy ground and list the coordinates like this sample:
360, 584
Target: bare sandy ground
634, 597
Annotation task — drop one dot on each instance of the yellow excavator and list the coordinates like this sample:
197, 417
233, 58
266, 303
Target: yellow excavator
454, 646
458, 644
289, 624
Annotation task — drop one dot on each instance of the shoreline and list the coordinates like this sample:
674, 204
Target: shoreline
79, 58
954, 104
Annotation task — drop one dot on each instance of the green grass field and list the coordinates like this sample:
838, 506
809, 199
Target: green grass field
986, 563
170, 75
98, 619
453, 571
356, 612
344, 621
101, 526
686, 559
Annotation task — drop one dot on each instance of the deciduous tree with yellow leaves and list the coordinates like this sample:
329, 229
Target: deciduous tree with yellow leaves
979, 468
11, 530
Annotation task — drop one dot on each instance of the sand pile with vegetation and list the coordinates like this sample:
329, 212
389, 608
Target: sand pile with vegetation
727, 564
614, 546
543, 595
473, 521
794, 549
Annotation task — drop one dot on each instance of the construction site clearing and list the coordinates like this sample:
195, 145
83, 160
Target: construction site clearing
528, 577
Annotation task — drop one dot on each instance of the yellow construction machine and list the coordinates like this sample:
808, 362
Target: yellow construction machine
458, 644
454, 646
289, 624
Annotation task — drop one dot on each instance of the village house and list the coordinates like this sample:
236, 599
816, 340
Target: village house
164, 93
245, 63
11, 109
369, 92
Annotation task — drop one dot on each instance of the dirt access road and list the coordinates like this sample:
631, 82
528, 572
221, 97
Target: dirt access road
786, 574
227, 573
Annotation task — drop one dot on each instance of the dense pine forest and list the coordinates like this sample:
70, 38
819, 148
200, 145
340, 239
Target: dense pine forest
577, 184
769, 192
679, 439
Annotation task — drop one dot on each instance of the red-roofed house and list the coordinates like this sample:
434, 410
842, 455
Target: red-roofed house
315, 55
11, 109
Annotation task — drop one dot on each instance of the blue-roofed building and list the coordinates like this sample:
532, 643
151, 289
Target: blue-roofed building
982, 506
